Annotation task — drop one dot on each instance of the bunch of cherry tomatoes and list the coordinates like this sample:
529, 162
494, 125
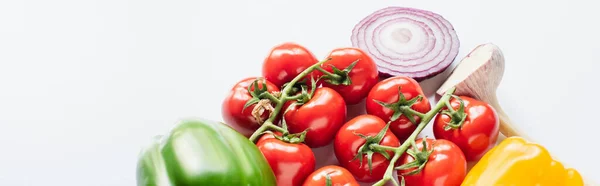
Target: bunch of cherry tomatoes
300, 103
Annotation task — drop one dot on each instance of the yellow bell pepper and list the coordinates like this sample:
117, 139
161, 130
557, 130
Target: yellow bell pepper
516, 162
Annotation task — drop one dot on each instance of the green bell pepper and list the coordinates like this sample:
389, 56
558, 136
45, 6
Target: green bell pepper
203, 152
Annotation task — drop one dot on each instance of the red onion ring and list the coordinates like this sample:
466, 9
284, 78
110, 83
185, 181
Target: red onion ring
407, 42
412, 55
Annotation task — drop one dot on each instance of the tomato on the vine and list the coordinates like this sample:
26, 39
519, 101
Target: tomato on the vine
443, 164
473, 126
321, 116
357, 70
285, 61
352, 146
291, 162
335, 175
384, 101
232, 109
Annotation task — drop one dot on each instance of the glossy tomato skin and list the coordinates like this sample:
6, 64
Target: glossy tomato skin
387, 91
291, 163
347, 144
323, 116
339, 177
446, 165
364, 75
285, 61
478, 133
232, 106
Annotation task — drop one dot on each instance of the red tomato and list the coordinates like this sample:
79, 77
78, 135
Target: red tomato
387, 92
339, 176
322, 115
446, 165
285, 62
477, 134
291, 163
364, 74
234, 102
347, 143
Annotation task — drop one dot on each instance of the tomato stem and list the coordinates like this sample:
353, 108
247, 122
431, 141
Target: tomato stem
421, 157
421, 115
457, 117
402, 149
383, 147
281, 101
277, 128
288, 88
403, 107
269, 96
330, 75
366, 148
296, 97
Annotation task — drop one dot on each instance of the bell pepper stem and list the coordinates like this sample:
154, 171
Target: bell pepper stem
400, 150
281, 101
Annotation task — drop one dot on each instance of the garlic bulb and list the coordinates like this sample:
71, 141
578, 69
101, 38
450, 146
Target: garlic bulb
478, 75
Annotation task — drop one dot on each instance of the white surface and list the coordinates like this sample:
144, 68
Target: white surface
84, 84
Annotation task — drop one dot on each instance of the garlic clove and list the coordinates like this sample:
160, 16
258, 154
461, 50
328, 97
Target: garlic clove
478, 75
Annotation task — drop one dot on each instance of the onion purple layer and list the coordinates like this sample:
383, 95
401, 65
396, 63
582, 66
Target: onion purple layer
433, 42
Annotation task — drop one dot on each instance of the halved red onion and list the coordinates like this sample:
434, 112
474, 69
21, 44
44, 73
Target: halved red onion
407, 42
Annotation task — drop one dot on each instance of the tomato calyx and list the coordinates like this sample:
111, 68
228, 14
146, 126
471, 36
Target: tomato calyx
297, 87
403, 107
338, 77
287, 137
259, 93
368, 148
402, 181
305, 95
421, 157
328, 181
262, 98
457, 117
410, 141
262, 106
281, 100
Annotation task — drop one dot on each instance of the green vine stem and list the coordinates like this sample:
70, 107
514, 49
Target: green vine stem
282, 99
400, 150
271, 97
457, 117
329, 74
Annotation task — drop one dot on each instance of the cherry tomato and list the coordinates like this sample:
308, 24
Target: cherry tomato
338, 176
387, 91
322, 115
232, 106
285, 62
446, 165
291, 163
347, 144
478, 132
363, 76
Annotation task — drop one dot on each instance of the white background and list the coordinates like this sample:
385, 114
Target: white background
85, 84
